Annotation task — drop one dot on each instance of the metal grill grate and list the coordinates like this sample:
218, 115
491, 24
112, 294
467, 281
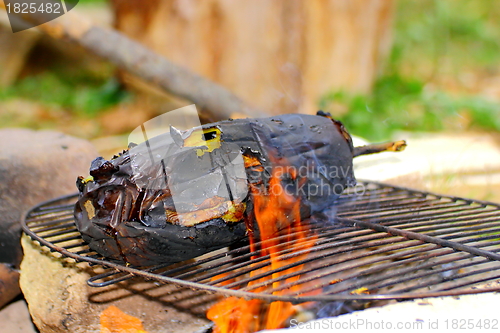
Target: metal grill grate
385, 243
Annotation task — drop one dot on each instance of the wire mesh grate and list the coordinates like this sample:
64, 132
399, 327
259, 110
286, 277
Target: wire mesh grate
384, 242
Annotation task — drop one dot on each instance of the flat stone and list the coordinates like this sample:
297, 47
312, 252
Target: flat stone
15, 318
35, 166
447, 314
387, 167
430, 155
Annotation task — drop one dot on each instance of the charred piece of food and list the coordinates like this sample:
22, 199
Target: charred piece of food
185, 193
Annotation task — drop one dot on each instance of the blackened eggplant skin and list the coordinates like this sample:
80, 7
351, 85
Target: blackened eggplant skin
126, 213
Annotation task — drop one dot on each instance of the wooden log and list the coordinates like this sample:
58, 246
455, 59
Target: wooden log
138, 60
282, 55
9, 284
15, 50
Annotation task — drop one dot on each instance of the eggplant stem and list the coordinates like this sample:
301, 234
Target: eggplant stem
380, 147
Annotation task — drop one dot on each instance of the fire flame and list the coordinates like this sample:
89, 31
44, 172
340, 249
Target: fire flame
114, 320
276, 213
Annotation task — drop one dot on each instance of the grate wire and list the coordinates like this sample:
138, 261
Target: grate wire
387, 242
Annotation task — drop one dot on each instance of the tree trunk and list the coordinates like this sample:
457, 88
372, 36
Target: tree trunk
280, 55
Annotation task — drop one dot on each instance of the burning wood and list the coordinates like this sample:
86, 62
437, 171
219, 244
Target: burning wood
201, 194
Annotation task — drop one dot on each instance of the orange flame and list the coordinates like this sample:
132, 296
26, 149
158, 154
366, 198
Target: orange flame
276, 213
114, 320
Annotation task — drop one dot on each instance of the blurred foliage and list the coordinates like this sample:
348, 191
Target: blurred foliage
443, 54
81, 94
60, 86
399, 103
447, 34
425, 84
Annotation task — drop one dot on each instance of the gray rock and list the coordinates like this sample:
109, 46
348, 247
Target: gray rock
56, 293
35, 166
418, 315
15, 318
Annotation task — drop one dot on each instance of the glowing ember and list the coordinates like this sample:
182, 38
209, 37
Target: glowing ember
276, 213
114, 320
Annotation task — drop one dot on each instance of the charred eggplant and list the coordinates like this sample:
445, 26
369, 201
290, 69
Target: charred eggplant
185, 193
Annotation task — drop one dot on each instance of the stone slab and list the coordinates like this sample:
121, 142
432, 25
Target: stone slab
61, 301
440, 314
15, 318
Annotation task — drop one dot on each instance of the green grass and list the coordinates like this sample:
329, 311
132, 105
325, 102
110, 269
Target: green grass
81, 95
399, 103
423, 86
449, 35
